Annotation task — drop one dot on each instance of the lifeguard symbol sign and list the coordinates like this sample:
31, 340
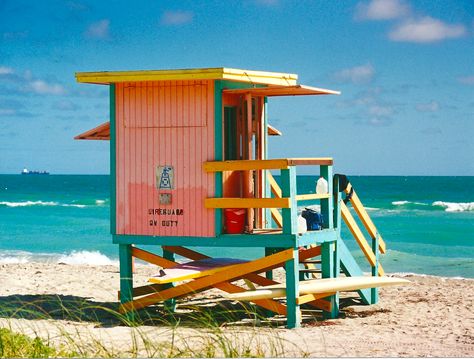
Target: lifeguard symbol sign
164, 177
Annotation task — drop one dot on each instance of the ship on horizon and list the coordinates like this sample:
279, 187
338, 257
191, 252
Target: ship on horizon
28, 172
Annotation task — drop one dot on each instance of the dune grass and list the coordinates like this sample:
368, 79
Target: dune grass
75, 327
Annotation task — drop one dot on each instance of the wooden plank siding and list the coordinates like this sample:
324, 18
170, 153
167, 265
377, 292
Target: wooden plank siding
164, 123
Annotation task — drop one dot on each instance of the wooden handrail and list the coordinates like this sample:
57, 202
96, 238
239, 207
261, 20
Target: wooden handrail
364, 217
306, 197
247, 203
249, 165
359, 237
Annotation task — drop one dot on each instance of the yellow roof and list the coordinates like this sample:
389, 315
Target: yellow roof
218, 73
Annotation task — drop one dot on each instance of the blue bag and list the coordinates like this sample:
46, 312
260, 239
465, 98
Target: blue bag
314, 219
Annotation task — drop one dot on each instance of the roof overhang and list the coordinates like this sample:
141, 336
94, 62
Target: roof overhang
294, 90
102, 132
219, 73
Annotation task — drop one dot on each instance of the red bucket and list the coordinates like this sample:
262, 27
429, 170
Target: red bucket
234, 220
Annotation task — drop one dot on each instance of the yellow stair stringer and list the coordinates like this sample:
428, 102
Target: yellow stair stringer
364, 217
359, 237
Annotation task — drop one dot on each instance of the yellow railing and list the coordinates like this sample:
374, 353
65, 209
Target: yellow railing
279, 200
367, 249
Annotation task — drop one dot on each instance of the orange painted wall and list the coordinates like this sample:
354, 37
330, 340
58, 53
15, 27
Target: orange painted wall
164, 123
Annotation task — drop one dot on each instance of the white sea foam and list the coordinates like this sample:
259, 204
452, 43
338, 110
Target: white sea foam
28, 203
13, 260
98, 202
72, 258
400, 203
74, 205
372, 208
455, 206
86, 257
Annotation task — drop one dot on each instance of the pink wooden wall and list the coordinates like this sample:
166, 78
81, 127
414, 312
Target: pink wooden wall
164, 123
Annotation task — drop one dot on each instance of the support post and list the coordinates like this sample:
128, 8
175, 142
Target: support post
288, 189
293, 312
218, 152
327, 203
126, 276
269, 252
330, 268
374, 292
170, 304
290, 226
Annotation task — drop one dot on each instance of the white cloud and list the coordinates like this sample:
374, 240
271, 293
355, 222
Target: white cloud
6, 70
467, 80
176, 17
357, 74
99, 30
43, 88
425, 30
432, 106
381, 111
65, 106
382, 10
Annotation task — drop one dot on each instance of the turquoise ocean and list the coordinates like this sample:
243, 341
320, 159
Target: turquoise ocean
426, 222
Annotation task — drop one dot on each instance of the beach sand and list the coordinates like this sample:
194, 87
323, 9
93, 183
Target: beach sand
64, 304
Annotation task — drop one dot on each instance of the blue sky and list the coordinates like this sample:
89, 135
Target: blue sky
405, 70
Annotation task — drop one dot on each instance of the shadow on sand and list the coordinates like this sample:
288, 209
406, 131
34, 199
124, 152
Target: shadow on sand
203, 312
190, 313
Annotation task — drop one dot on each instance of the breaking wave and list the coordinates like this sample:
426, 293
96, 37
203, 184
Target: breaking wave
455, 206
72, 258
94, 203
28, 203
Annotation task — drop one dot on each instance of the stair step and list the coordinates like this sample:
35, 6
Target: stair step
308, 261
310, 270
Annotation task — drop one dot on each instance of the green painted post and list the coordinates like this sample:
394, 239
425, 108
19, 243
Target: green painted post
290, 226
293, 314
337, 198
288, 190
113, 145
218, 149
269, 252
374, 292
126, 276
327, 204
328, 268
170, 304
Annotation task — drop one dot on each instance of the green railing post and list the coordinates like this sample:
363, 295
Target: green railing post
327, 204
126, 276
337, 205
293, 312
170, 304
330, 268
288, 189
218, 156
374, 292
290, 226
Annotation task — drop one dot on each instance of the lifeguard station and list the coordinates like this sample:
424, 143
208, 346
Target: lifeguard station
190, 167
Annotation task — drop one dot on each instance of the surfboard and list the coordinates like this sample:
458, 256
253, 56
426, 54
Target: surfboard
194, 269
319, 286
